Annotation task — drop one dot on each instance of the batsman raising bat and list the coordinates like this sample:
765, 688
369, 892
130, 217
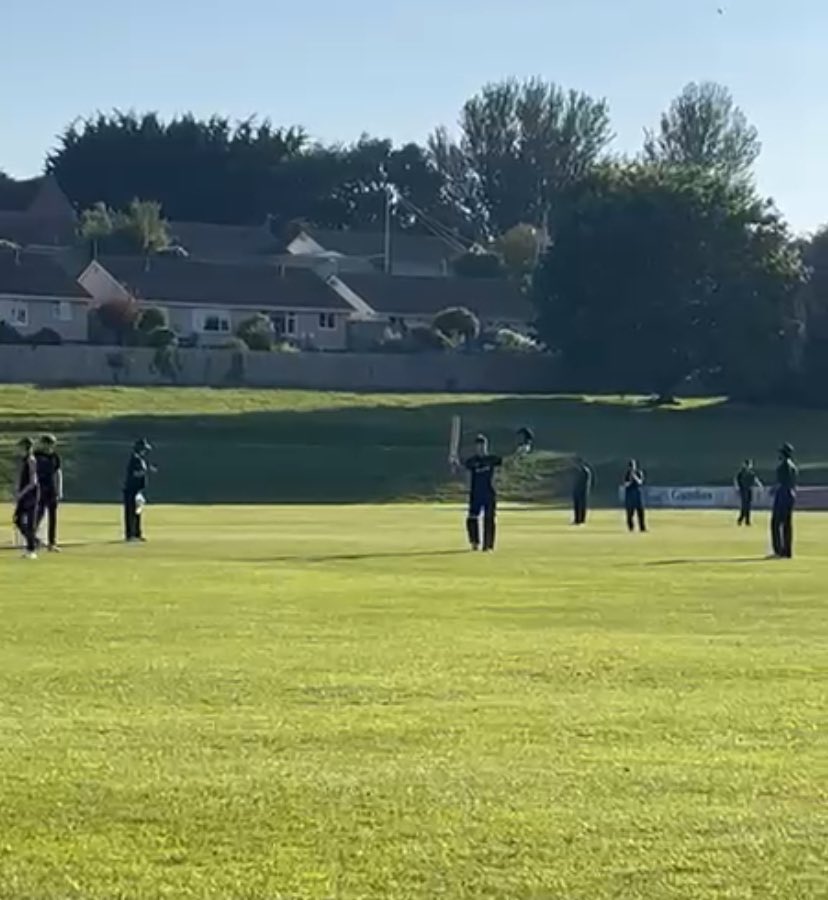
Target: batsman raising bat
481, 467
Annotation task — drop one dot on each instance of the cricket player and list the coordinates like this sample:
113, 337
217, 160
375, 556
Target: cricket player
50, 486
746, 482
784, 501
582, 482
634, 496
135, 483
481, 467
25, 512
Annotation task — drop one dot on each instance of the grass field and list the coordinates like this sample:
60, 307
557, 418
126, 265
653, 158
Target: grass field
246, 446
337, 702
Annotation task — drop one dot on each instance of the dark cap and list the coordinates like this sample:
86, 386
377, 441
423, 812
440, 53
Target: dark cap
143, 444
48, 439
786, 449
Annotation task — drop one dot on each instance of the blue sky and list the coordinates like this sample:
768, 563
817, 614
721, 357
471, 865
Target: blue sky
397, 69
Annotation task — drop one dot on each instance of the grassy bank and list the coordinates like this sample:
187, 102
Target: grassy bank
292, 446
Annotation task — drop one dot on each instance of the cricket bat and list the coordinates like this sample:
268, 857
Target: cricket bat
454, 439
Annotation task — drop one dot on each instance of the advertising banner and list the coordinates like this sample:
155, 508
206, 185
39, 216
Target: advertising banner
723, 497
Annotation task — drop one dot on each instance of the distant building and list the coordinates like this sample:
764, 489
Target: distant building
36, 212
225, 243
211, 299
36, 292
364, 252
402, 302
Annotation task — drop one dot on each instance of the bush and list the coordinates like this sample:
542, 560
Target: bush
162, 337
420, 338
151, 318
257, 333
9, 334
458, 324
114, 321
509, 341
46, 337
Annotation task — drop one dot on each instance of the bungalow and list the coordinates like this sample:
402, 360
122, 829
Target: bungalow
36, 212
211, 299
400, 302
365, 252
225, 243
36, 292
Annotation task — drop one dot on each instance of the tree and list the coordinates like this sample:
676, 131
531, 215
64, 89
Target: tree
521, 144
257, 332
139, 229
812, 357
211, 170
114, 321
198, 170
657, 274
519, 248
704, 128
151, 318
457, 323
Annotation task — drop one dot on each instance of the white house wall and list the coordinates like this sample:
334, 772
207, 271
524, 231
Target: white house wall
68, 318
184, 321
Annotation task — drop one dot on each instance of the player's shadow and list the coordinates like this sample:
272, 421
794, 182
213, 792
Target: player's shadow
355, 557
709, 561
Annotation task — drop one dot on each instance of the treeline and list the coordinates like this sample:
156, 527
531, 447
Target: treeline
664, 272
519, 146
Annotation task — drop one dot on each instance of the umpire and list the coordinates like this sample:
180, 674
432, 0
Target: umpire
50, 484
582, 483
784, 500
634, 496
746, 482
135, 484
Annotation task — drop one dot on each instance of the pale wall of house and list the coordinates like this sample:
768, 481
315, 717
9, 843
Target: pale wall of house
185, 320
67, 317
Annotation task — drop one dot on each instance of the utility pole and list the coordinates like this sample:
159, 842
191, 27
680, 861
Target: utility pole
387, 232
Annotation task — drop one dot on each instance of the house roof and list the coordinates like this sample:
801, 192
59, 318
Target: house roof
31, 274
222, 284
489, 298
226, 243
411, 248
17, 196
25, 229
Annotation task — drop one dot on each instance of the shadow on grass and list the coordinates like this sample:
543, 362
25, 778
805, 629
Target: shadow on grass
710, 561
356, 557
390, 451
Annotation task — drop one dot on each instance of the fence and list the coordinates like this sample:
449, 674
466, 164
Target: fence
86, 365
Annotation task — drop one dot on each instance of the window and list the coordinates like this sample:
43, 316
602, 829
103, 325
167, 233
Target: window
62, 311
211, 321
327, 321
19, 314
